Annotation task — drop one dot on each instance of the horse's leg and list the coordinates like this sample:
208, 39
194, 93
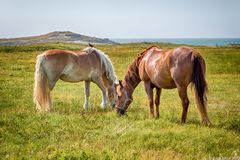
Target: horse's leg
87, 94
182, 91
149, 91
157, 100
100, 84
51, 84
104, 97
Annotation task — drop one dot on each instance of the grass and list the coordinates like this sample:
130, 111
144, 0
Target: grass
68, 132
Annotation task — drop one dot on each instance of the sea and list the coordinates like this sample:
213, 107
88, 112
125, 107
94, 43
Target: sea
187, 41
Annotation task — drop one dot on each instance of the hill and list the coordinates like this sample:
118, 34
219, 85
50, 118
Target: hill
54, 37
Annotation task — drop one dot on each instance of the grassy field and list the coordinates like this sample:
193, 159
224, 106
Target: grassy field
68, 132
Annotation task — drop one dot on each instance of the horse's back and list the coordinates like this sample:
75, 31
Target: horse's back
166, 68
70, 66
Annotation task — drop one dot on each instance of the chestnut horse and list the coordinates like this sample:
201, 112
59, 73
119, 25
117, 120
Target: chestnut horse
175, 68
89, 65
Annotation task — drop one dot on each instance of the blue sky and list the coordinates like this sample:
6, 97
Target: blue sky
122, 18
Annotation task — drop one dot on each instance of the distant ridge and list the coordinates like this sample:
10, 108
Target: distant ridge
54, 37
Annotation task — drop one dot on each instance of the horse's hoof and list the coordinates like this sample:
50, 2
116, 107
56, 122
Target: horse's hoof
152, 116
85, 106
207, 123
103, 106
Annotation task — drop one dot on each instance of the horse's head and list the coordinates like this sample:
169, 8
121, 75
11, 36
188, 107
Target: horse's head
123, 99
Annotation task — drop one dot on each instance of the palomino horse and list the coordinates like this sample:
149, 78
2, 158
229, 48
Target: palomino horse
89, 65
175, 68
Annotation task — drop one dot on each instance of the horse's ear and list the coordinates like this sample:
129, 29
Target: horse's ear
120, 83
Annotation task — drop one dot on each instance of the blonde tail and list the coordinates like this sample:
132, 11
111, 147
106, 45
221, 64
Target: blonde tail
41, 94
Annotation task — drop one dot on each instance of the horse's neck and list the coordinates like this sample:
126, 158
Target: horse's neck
132, 78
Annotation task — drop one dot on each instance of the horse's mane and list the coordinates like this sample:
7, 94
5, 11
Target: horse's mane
105, 61
145, 51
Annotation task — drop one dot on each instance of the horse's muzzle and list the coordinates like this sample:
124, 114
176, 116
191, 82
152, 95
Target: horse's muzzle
120, 111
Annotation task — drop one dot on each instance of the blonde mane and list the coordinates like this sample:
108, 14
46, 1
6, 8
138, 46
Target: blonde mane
105, 61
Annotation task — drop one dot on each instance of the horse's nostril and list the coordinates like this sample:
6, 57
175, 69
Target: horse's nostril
121, 111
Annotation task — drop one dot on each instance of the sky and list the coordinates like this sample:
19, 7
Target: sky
122, 18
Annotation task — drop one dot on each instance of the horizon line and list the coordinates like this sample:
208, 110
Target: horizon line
182, 38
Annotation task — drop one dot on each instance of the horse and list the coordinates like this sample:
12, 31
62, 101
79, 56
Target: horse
159, 69
89, 65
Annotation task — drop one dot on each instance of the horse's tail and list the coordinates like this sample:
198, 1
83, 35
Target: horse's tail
200, 85
41, 94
